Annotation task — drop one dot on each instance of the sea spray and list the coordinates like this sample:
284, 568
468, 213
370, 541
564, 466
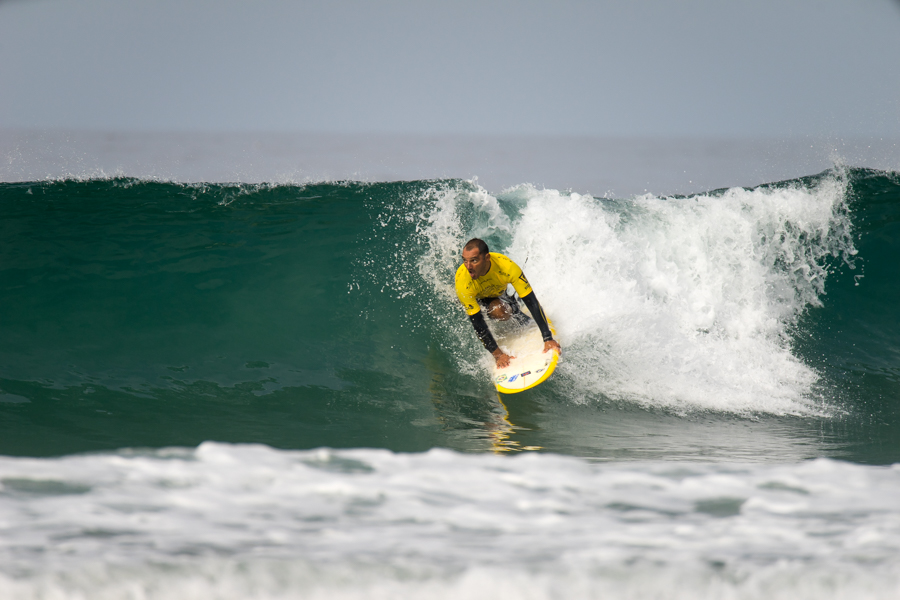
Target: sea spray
682, 303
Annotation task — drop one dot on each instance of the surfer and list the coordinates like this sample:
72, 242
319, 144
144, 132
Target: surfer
481, 283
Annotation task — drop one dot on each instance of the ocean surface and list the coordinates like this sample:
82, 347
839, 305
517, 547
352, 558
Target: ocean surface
268, 390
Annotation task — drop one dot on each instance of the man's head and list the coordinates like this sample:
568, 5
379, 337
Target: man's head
476, 257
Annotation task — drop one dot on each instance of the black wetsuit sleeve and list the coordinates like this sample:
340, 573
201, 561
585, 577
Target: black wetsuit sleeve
537, 313
484, 334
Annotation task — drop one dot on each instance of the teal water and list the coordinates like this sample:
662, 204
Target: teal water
152, 314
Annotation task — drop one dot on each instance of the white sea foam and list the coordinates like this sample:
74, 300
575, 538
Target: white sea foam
228, 521
678, 303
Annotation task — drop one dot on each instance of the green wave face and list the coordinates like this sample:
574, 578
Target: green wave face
736, 324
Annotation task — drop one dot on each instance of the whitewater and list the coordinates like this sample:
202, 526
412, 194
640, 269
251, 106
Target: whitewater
269, 390
682, 303
225, 521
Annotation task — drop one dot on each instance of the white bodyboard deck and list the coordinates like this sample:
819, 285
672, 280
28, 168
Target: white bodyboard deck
530, 365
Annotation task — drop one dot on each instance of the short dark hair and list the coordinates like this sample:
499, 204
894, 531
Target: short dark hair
477, 243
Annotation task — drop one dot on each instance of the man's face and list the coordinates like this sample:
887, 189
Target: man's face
477, 264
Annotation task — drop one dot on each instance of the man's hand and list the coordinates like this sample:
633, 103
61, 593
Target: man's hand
552, 345
501, 358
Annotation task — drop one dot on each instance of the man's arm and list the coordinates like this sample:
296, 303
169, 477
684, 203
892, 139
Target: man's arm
482, 331
537, 313
484, 334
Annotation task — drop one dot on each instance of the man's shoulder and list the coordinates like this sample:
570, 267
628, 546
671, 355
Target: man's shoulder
463, 279
505, 264
501, 258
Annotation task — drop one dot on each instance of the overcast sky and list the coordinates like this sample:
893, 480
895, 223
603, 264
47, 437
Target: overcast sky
615, 67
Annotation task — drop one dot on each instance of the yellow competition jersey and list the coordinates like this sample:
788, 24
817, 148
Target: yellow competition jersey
502, 272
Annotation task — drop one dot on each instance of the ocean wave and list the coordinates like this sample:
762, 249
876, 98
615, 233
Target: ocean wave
323, 314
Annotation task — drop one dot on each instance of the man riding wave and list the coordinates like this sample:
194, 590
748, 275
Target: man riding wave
481, 282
